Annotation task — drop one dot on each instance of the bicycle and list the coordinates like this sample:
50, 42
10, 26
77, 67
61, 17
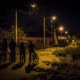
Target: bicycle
34, 59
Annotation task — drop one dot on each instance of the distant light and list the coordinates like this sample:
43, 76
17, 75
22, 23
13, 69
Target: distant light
33, 5
66, 32
61, 28
54, 18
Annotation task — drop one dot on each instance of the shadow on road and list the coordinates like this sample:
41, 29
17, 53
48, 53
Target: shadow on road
18, 65
29, 68
4, 65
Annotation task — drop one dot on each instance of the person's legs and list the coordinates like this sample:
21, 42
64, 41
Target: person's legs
24, 57
14, 56
29, 57
5, 55
11, 56
20, 57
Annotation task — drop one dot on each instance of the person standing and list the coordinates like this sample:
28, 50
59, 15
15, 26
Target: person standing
31, 49
22, 52
12, 46
4, 49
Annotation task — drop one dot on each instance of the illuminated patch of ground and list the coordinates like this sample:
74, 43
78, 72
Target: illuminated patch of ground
45, 60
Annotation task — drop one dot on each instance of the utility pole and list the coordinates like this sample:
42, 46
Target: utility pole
44, 31
43, 27
55, 37
51, 30
33, 6
16, 24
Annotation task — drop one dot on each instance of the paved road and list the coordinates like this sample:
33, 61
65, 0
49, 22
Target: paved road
45, 55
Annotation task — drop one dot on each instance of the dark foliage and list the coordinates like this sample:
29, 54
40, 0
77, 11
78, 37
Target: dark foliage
8, 7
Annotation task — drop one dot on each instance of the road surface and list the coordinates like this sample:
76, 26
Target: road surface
8, 73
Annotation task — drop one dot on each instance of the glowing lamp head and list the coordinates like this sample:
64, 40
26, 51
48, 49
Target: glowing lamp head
54, 18
33, 5
61, 28
66, 32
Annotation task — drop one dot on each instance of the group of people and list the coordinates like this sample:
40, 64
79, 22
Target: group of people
22, 50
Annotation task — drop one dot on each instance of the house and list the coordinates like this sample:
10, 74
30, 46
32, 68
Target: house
35, 37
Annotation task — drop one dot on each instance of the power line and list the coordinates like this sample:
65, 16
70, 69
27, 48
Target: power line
49, 31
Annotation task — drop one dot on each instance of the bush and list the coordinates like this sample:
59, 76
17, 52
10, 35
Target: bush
72, 51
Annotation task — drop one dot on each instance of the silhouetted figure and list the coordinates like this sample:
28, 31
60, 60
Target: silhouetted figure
4, 48
31, 49
22, 52
12, 47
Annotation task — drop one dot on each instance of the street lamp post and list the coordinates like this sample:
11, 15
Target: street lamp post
16, 25
55, 37
61, 29
44, 27
33, 6
61, 36
44, 31
44, 18
52, 18
51, 30
66, 34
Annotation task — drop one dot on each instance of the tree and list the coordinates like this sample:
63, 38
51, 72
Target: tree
10, 33
8, 7
20, 33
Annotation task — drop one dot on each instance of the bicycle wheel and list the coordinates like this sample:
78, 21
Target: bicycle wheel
36, 59
32, 59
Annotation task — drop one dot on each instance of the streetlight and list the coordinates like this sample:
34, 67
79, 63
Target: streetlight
66, 34
33, 6
52, 18
16, 25
44, 27
55, 37
61, 29
16, 22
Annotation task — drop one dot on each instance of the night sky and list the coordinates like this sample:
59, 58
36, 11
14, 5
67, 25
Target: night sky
66, 11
